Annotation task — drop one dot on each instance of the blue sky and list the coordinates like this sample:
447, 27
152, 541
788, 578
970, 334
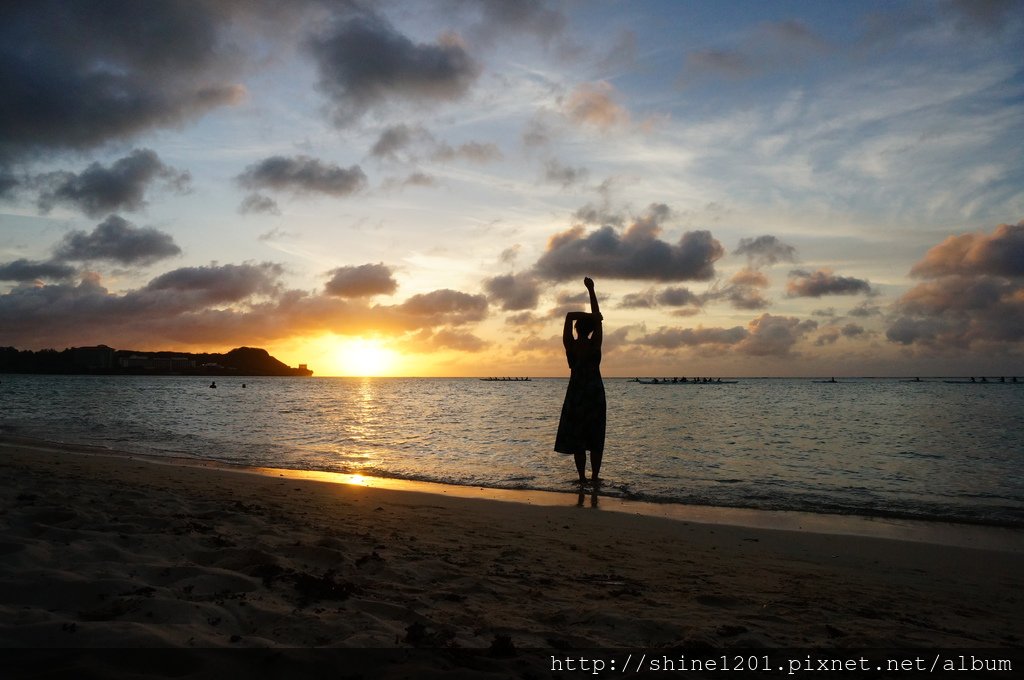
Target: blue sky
423, 185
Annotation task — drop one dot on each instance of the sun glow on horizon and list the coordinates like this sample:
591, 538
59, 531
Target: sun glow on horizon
361, 357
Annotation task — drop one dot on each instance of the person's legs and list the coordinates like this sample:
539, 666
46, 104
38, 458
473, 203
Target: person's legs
595, 464
581, 464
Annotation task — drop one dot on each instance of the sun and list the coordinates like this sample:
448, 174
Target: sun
364, 358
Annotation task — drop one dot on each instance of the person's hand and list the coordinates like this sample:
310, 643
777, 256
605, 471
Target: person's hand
588, 282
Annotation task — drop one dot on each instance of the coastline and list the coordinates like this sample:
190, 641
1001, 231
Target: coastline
107, 550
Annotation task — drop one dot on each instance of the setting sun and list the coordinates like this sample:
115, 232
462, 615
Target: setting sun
361, 357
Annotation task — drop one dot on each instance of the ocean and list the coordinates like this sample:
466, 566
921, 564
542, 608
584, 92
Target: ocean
927, 450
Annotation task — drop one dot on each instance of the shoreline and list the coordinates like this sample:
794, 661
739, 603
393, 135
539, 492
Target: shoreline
114, 551
938, 532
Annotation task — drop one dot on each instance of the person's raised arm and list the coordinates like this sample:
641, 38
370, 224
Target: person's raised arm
570, 319
594, 309
598, 335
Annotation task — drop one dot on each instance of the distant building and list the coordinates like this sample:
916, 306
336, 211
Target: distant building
98, 358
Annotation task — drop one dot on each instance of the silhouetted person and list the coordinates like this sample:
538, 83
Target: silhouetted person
582, 424
213, 385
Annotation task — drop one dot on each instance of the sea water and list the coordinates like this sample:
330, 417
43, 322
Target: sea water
875, 447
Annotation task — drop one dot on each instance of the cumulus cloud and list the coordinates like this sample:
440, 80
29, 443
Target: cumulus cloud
361, 281
765, 250
450, 306
117, 240
365, 63
975, 293
666, 297
449, 339
26, 270
99, 190
216, 284
824, 282
635, 253
515, 292
998, 254
594, 104
775, 335
255, 203
137, 65
302, 174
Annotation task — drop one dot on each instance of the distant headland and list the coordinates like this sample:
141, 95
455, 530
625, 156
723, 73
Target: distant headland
103, 360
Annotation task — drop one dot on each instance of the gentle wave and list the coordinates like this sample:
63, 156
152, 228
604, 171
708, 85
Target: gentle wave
880, 448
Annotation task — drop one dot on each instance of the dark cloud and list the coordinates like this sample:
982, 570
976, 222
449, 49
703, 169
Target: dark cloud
765, 250
829, 336
999, 254
509, 255
82, 74
448, 306
852, 330
254, 204
364, 62
827, 313
667, 297
26, 270
222, 305
514, 292
302, 174
601, 215
9, 182
100, 190
117, 240
824, 282
215, 284
636, 253
567, 176
865, 309
361, 281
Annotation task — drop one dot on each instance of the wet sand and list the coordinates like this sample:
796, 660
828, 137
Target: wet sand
118, 551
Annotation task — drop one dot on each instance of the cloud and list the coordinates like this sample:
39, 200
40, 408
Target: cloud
365, 63
865, 309
515, 292
852, 330
302, 174
674, 338
499, 18
594, 104
215, 284
447, 306
824, 282
998, 254
975, 295
765, 250
99, 190
775, 335
218, 305
770, 46
449, 339
567, 176
361, 281
258, 203
414, 179
117, 240
742, 291
415, 142
114, 57
635, 253
667, 297
26, 270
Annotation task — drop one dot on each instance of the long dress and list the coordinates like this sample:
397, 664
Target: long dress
582, 423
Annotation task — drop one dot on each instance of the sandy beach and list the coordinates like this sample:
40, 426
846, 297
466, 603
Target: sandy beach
116, 551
